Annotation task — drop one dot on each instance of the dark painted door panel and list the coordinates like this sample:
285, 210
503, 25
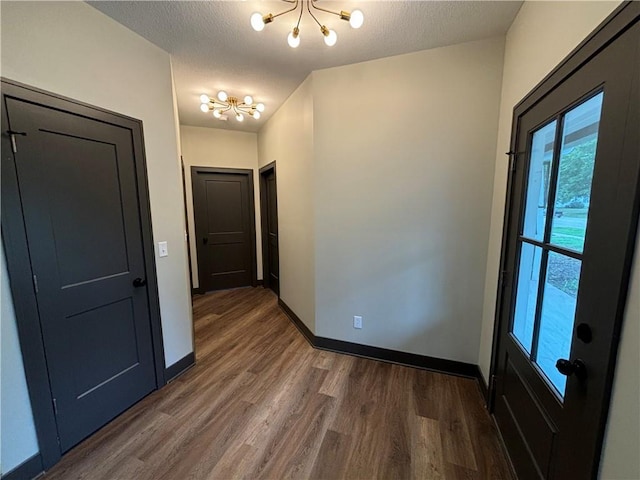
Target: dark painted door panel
78, 188
223, 213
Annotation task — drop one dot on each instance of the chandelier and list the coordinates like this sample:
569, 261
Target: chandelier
355, 19
225, 103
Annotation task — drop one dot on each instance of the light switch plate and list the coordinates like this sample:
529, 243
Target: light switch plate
163, 249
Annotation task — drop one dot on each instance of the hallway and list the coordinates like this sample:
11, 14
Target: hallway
262, 403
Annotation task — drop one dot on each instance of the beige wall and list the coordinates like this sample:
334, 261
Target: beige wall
404, 155
542, 34
72, 49
620, 459
215, 147
287, 138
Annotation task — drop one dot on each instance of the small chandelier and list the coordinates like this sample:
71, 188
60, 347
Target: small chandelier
355, 19
224, 103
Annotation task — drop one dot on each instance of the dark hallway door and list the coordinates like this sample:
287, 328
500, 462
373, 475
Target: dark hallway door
569, 237
225, 227
79, 195
269, 212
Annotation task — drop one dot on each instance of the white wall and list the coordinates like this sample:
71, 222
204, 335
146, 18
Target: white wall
215, 147
17, 432
287, 138
404, 156
71, 49
542, 34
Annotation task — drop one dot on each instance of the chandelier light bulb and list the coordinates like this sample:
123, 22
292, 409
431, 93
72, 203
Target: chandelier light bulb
204, 98
293, 39
256, 22
331, 38
357, 19
223, 103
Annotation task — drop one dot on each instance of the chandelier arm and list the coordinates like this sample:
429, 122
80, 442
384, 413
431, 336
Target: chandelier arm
289, 1
312, 15
313, 4
300, 16
226, 109
287, 11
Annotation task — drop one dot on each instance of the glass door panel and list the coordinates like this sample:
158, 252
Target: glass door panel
527, 296
552, 239
542, 148
558, 312
577, 159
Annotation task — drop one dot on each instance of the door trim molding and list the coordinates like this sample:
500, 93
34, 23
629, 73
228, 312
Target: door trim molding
616, 24
19, 263
263, 221
252, 205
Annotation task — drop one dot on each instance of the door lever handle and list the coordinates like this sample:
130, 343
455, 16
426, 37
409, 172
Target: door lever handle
139, 282
568, 368
205, 240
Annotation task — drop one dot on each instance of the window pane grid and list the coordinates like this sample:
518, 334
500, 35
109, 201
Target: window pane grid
553, 248
552, 236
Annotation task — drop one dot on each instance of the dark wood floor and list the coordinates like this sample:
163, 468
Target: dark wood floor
262, 403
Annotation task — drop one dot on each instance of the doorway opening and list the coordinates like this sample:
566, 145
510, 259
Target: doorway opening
269, 222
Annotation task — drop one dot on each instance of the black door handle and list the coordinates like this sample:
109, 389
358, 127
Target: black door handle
205, 240
568, 368
139, 282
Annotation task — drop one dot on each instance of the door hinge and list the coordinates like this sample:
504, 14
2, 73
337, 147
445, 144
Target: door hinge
12, 135
512, 160
35, 284
55, 406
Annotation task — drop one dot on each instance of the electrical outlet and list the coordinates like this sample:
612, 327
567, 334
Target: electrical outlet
357, 321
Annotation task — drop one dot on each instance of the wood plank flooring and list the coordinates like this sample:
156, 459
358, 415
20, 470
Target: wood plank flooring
262, 403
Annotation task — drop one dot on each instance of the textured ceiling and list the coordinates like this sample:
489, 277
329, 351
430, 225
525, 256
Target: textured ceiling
213, 46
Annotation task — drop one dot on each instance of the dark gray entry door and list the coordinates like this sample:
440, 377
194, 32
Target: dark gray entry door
78, 189
569, 237
225, 227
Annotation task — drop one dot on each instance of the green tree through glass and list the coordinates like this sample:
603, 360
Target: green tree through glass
576, 171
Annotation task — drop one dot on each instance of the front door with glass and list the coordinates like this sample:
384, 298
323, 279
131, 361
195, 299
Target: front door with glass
569, 233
